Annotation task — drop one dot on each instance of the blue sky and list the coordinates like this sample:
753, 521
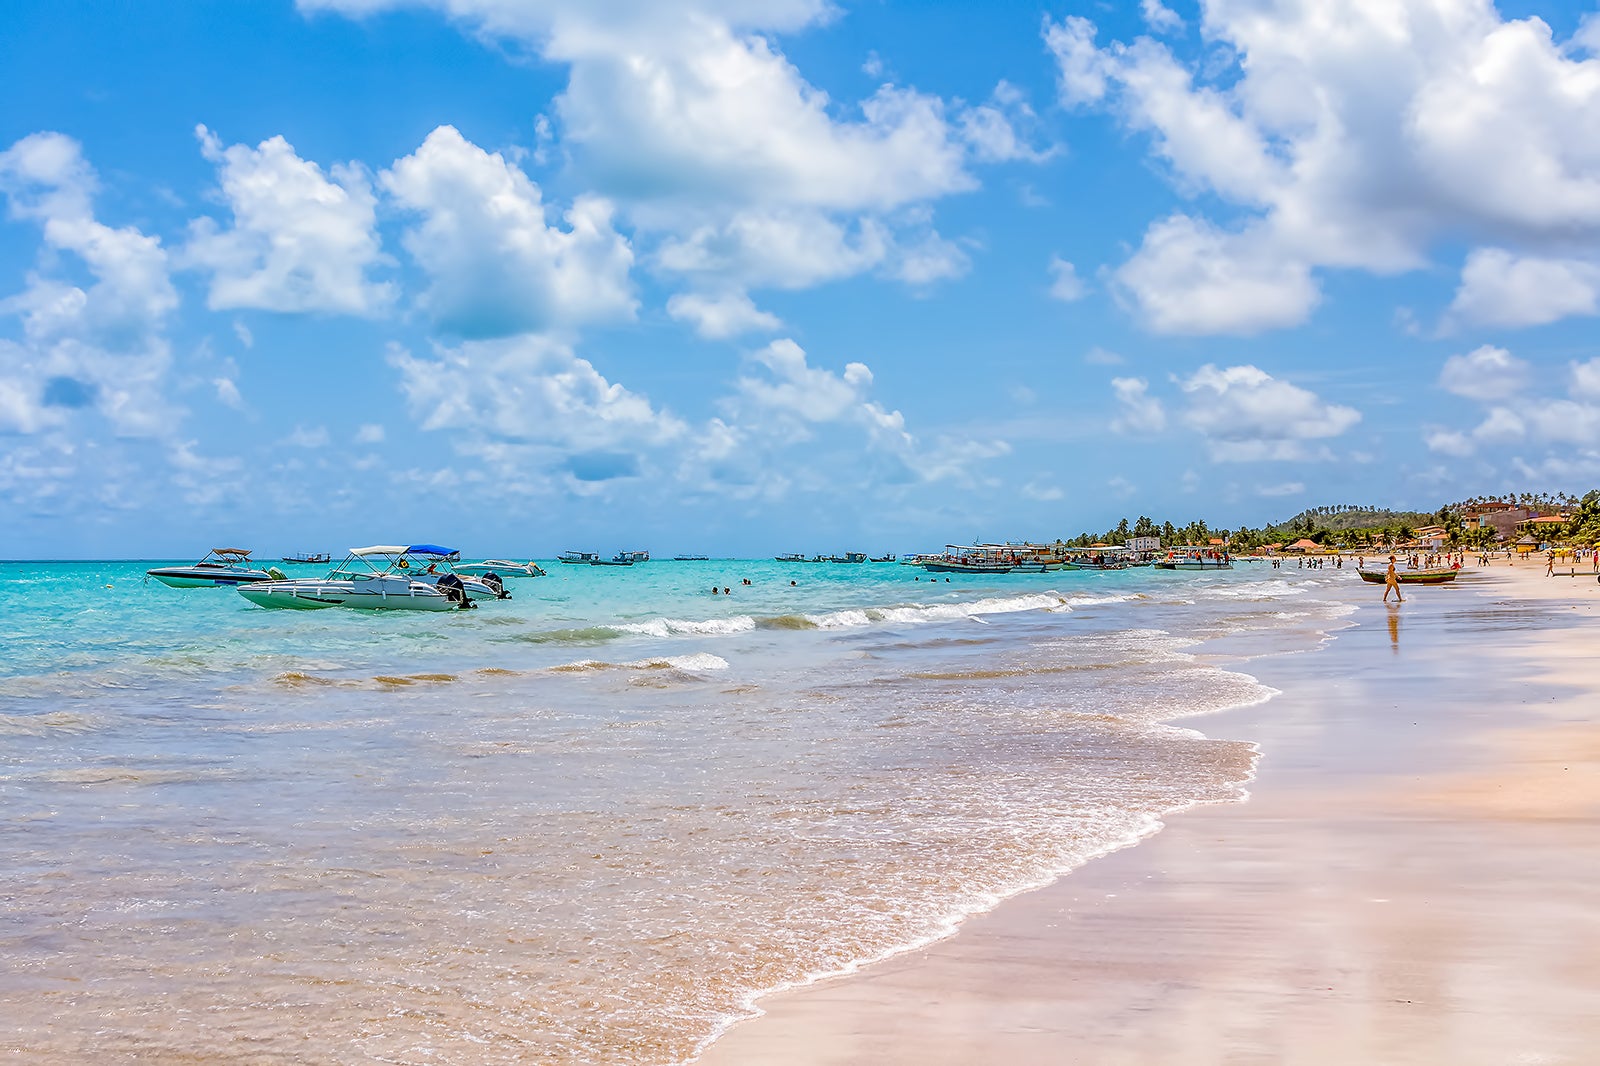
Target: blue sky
784, 275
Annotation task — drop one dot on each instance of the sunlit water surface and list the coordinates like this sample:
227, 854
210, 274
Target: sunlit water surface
587, 825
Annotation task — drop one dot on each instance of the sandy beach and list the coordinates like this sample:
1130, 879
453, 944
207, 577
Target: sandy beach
1411, 881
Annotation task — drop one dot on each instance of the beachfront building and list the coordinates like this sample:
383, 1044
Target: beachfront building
1144, 544
1545, 527
1429, 538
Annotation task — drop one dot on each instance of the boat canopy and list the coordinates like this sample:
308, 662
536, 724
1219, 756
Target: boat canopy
379, 549
402, 549
239, 552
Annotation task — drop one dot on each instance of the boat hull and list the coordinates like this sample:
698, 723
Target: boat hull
188, 577
1410, 577
964, 568
379, 594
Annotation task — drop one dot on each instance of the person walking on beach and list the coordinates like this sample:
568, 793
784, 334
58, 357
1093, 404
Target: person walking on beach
1550, 565
1391, 583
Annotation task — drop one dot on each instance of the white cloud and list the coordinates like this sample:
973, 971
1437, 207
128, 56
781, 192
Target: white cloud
1247, 414
1585, 380
531, 392
1098, 356
496, 267
1485, 373
1287, 488
370, 433
929, 260
1033, 490
1500, 288
692, 120
1449, 442
721, 315
1191, 277
787, 249
1140, 412
228, 393
991, 129
307, 437
795, 388
299, 242
99, 347
1159, 16
1065, 285
1358, 135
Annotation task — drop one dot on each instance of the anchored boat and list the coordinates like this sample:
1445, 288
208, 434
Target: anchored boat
382, 577
221, 566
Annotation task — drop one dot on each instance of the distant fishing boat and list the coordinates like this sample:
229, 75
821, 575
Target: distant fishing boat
1195, 560
578, 557
971, 559
308, 557
791, 558
882, 558
1437, 575
619, 559
1099, 559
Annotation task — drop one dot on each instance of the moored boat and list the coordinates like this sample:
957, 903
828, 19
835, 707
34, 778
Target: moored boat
1195, 559
308, 557
577, 557
220, 566
361, 583
501, 567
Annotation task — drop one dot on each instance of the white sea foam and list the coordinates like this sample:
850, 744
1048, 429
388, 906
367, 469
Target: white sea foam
916, 614
695, 663
669, 627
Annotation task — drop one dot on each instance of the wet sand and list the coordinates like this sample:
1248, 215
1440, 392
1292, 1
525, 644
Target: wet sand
1413, 879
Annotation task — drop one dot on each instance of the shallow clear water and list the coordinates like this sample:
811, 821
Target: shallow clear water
586, 825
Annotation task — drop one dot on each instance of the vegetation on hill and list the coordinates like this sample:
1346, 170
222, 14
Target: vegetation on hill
1357, 527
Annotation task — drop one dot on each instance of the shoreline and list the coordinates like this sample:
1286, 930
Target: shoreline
1403, 883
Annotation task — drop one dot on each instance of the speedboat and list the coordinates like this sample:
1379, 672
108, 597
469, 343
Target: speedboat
221, 566
500, 568
430, 563
361, 582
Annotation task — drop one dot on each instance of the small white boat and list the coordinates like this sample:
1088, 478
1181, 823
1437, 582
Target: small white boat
221, 566
501, 567
577, 557
372, 579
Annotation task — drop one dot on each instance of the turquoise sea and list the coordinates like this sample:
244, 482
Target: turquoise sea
590, 824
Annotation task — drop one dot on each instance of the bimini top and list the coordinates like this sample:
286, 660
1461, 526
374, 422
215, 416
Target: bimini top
402, 549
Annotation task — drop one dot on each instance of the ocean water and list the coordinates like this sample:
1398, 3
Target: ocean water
591, 824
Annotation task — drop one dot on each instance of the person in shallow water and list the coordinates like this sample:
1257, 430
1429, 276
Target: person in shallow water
1391, 583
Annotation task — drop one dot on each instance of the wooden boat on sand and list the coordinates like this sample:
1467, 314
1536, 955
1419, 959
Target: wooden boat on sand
1437, 575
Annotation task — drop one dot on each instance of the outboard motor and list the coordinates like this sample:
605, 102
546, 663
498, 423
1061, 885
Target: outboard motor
452, 587
494, 581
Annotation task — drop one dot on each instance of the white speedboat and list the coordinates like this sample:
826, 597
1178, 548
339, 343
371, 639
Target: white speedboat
500, 567
368, 579
221, 566
430, 563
